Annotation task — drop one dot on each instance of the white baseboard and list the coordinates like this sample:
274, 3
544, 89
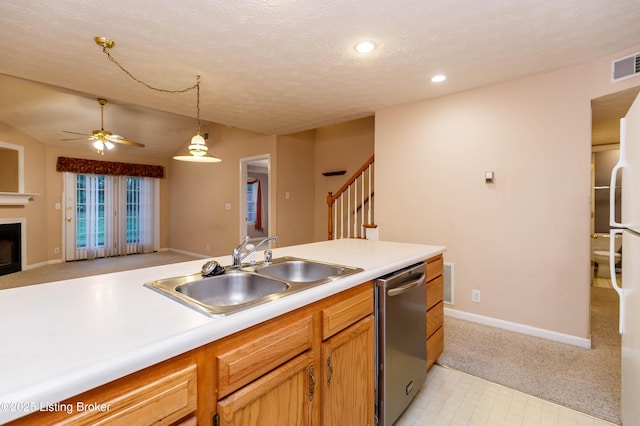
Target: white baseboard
519, 328
187, 253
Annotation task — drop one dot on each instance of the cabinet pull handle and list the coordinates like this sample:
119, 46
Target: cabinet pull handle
330, 371
312, 384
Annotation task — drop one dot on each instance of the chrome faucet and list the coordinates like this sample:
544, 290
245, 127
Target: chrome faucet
249, 249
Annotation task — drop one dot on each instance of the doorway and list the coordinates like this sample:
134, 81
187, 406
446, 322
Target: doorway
255, 197
606, 112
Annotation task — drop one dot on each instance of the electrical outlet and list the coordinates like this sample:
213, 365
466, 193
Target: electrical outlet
475, 296
56, 250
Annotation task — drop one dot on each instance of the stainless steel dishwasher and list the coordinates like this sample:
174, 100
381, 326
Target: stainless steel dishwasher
401, 354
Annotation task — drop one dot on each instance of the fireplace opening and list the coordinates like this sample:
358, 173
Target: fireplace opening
10, 250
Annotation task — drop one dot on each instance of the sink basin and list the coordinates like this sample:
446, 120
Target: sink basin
247, 286
300, 270
231, 289
221, 294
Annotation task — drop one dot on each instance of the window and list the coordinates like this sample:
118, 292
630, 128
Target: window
89, 210
115, 215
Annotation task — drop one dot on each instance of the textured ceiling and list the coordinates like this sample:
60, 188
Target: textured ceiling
281, 66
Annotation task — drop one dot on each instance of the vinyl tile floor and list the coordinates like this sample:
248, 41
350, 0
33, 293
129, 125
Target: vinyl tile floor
450, 397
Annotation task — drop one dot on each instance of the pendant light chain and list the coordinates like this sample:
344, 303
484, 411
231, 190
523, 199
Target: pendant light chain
198, 147
157, 89
197, 86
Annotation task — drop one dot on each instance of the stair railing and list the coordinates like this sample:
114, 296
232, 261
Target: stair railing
351, 208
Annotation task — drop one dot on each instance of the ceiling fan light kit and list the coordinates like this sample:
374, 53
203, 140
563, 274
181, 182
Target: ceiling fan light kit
103, 138
198, 147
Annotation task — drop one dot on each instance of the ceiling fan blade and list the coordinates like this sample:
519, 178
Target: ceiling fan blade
126, 142
75, 133
77, 139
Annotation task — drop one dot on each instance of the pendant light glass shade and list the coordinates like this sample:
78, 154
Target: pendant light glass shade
198, 147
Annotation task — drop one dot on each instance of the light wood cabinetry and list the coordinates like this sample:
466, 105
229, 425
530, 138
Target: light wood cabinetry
314, 366
348, 375
164, 394
435, 309
248, 355
283, 397
345, 312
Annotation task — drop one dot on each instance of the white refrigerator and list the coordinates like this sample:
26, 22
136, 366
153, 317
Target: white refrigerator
629, 287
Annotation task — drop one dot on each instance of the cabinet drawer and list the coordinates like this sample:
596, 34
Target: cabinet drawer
435, 266
259, 350
435, 291
435, 318
435, 345
348, 311
156, 396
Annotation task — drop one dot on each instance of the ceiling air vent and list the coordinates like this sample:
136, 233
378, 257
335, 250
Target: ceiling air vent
626, 67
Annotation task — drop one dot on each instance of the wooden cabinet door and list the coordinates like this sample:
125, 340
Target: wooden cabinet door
348, 376
283, 397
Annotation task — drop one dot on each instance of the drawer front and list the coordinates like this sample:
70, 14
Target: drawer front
435, 291
435, 345
347, 312
264, 348
160, 403
435, 318
161, 398
435, 266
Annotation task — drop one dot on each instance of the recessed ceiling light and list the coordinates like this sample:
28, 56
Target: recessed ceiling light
438, 78
365, 47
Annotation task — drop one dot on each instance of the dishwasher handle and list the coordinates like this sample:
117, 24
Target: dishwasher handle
407, 287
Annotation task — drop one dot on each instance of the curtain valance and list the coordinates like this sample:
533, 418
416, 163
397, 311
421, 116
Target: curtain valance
96, 167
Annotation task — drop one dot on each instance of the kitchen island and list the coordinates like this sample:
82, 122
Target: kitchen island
64, 338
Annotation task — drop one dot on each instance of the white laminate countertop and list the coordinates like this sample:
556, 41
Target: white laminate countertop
63, 338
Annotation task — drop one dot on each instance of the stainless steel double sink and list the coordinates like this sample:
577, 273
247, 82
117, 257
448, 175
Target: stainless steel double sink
247, 286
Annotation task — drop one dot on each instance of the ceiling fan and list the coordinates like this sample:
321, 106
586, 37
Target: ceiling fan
103, 138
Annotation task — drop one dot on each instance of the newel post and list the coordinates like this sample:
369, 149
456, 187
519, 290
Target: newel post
330, 222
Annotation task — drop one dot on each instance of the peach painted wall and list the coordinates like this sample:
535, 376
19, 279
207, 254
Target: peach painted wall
523, 241
295, 214
343, 146
199, 192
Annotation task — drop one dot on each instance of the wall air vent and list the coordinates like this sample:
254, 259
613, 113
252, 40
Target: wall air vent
626, 67
448, 283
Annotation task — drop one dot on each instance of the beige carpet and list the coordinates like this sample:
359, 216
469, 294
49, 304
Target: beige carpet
587, 380
84, 268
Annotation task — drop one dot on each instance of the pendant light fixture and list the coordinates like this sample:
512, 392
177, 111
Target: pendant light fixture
198, 147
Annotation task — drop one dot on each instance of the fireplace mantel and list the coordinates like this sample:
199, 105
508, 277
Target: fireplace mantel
15, 198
